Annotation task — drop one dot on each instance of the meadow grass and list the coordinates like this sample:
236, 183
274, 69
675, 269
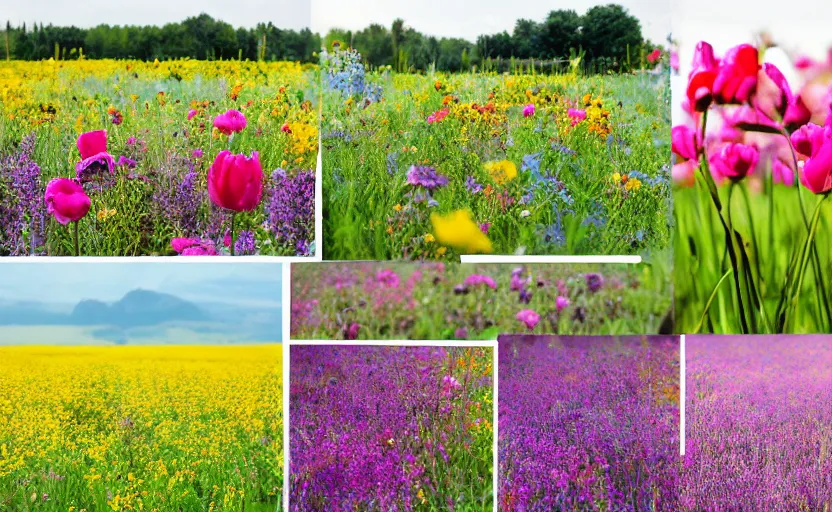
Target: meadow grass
141, 428
144, 106
598, 187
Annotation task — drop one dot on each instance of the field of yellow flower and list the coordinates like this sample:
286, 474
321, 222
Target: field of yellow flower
147, 181
425, 166
141, 428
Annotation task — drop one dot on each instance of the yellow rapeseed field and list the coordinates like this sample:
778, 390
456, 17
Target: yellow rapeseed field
173, 428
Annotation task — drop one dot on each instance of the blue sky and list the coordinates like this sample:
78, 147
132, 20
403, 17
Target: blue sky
68, 282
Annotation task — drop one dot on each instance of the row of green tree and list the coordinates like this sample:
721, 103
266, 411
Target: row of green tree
200, 37
607, 36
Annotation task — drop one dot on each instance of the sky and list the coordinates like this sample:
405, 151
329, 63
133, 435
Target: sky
467, 19
434, 17
293, 14
70, 282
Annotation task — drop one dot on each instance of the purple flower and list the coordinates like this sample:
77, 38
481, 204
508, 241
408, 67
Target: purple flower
561, 303
291, 207
123, 161
479, 279
594, 282
197, 153
22, 210
425, 177
472, 186
387, 278
245, 244
461, 333
351, 331
528, 317
95, 167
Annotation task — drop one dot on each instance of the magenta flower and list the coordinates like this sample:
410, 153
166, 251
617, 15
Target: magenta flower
438, 116
700, 90
191, 114
685, 142
232, 121
94, 157
817, 170
782, 173
461, 333
775, 99
561, 303
66, 200
351, 331
479, 279
528, 110
387, 278
193, 247
576, 115
528, 317
450, 384
235, 182
736, 80
734, 161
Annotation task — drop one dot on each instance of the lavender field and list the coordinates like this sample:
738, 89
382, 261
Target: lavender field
588, 423
759, 424
382, 429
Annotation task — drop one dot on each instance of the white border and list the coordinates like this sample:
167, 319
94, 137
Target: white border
492, 344
504, 258
682, 393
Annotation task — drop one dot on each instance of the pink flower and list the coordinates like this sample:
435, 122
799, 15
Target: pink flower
449, 383
782, 173
191, 114
654, 56
94, 157
528, 317
734, 161
674, 60
808, 139
774, 98
484, 227
193, 247
528, 110
576, 115
351, 331
387, 278
226, 239
478, 279
561, 303
684, 173
232, 121
685, 142
736, 80
235, 182
438, 116
700, 89
814, 143
66, 200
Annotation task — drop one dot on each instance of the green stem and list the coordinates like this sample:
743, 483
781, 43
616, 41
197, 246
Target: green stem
233, 235
710, 300
75, 238
804, 258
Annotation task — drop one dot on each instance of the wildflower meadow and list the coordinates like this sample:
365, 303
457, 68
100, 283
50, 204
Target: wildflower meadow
759, 423
536, 161
753, 164
391, 428
135, 158
161, 428
589, 423
434, 300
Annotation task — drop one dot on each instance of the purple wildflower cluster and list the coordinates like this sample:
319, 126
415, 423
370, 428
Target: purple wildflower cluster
759, 423
426, 177
22, 210
389, 428
180, 198
291, 208
589, 423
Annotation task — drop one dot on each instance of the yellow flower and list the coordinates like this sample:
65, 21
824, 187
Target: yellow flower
633, 184
616, 177
502, 171
459, 230
429, 238
398, 207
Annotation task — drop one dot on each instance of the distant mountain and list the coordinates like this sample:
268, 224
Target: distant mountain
137, 308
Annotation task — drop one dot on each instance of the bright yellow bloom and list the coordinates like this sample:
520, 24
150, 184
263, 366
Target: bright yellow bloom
502, 171
398, 207
633, 184
459, 230
616, 177
429, 238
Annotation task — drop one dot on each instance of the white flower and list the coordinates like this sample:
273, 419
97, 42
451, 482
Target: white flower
525, 213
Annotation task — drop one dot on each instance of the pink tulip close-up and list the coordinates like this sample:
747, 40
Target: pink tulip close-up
736, 79
66, 200
734, 161
233, 121
235, 182
684, 142
94, 157
701, 79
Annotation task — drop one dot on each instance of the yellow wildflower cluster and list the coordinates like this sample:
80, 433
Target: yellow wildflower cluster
141, 428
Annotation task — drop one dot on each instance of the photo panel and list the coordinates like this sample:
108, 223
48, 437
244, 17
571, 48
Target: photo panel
589, 423
388, 426
537, 131
141, 386
759, 423
436, 301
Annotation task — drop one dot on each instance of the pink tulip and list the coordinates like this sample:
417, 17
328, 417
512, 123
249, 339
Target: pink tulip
809, 138
66, 200
684, 142
193, 247
561, 303
232, 121
191, 114
576, 115
528, 110
774, 98
528, 317
701, 79
734, 161
782, 173
235, 182
736, 80
817, 171
94, 157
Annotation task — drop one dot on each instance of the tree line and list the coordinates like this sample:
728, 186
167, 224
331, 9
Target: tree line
606, 36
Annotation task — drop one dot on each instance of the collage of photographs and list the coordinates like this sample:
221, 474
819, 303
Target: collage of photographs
389, 256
